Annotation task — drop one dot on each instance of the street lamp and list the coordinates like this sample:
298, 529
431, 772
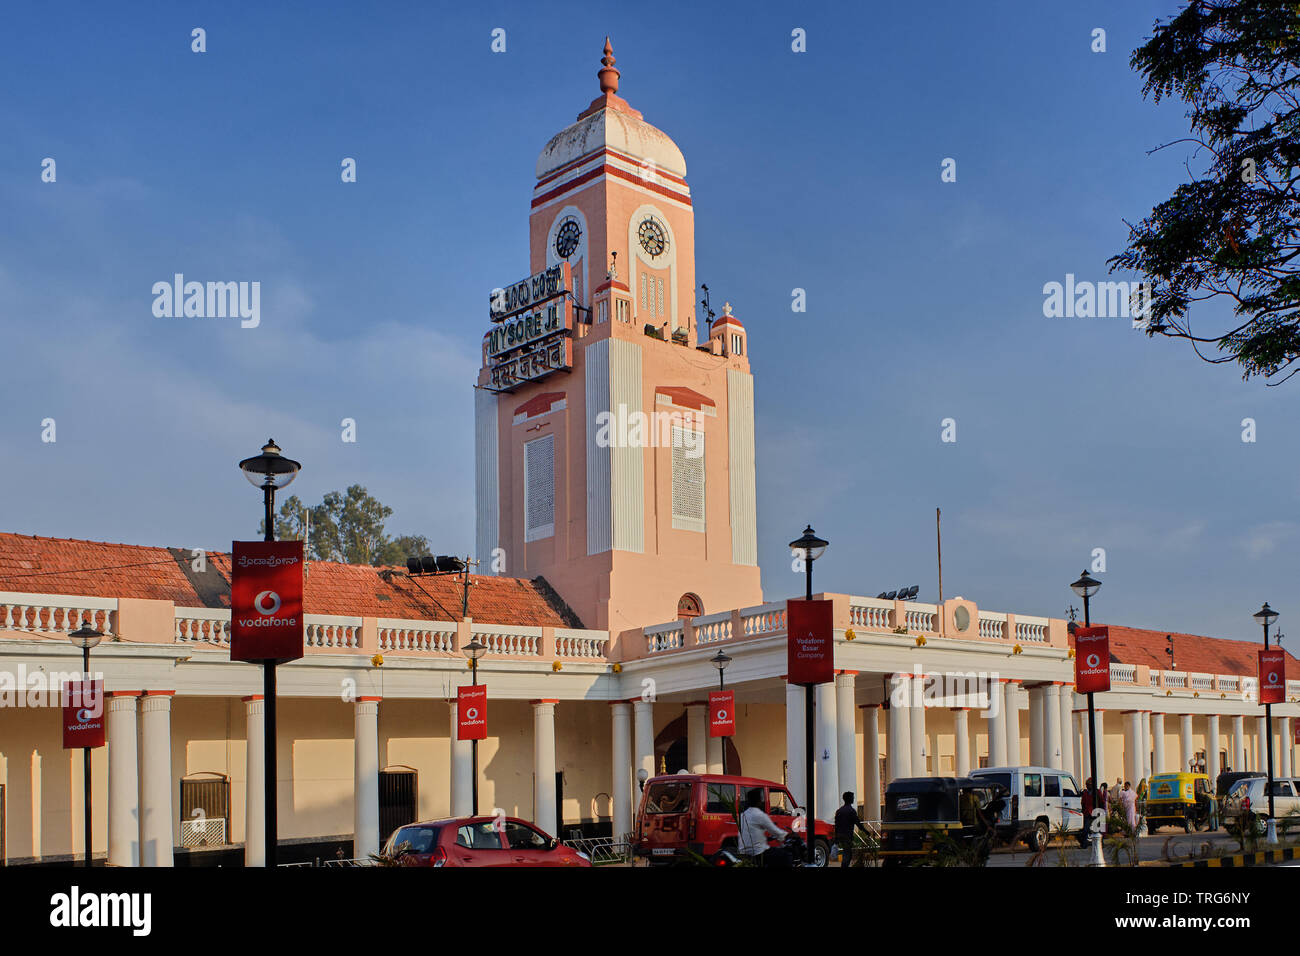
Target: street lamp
474, 650
86, 637
269, 471
813, 548
1267, 616
1086, 587
720, 661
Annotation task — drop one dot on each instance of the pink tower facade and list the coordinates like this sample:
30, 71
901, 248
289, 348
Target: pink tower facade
615, 439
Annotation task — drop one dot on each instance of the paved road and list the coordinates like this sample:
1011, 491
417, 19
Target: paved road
1181, 847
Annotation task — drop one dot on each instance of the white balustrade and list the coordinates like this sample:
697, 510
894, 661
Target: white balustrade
711, 628
664, 637
400, 636
509, 641
203, 625
763, 619
580, 643
1032, 629
870, 612
992, 625
1201, 682
920, 617
1229, 682
57, 613
331, 630
1119, 673
1175, 678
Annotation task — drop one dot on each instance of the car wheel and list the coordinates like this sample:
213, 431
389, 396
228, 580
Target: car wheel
821, 852
1039, 837
1187, 824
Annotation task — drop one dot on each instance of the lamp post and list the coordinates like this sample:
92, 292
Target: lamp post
720, 661
85, 637
474, 650
269, 471
1266, 616
813, 548
1086, 587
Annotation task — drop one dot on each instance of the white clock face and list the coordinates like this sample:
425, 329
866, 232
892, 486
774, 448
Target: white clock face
653, 237
567, 238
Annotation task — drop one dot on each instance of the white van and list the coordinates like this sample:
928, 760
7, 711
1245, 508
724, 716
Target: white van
1041, 799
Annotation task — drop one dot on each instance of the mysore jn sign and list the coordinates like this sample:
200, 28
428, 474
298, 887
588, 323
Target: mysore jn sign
471, 712
1272, 676
266, 601
809, 654
1091, 660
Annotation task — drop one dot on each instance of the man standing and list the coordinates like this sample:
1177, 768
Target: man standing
846, 822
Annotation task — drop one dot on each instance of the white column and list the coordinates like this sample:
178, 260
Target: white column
1080, 738
123, 782
1067, 729
871, 760
697, 729
1013, 723
1146, 746
916, 725
1212, 745
997, 723
365, 778
544, 766
1284, 732
961, 739
643, 738
1101, 745
1133, 746
462, 771
794, 742
1037, 727
1261, 741
900, 728
1185, 741
254, 781
621, 757
846, 732
156, 779
1238, 742
1158, 742
828, 775
1053, 751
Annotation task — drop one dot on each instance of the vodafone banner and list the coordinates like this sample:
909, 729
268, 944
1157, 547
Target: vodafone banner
722, 713
471, 713
83, 714
266, 601
809, 655
1091, 660
1272, 676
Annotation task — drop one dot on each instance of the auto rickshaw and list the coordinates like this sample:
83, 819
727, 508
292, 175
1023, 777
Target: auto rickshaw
1179, 799
938, 821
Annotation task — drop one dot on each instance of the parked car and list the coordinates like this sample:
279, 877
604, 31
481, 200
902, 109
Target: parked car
1178, 799
1247, 800
1041, 799
683, 814
928, 817
479, 841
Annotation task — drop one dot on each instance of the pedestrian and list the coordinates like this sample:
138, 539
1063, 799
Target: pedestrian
846, 822
1128, 802
1086, 805
755, 828
1103, 799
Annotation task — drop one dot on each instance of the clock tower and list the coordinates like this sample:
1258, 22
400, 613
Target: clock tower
614, 436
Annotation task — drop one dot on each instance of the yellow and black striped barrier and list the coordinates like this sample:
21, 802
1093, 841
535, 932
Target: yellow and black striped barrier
1260, 858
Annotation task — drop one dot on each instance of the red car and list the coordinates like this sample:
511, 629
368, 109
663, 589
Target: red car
479, 841
687, 812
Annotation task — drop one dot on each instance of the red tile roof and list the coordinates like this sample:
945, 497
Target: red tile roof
97, 569
1192, 653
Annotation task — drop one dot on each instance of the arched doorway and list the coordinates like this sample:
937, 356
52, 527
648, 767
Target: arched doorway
689, 606
672, 750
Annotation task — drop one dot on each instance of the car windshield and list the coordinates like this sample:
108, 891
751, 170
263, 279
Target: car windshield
669, 797
417, 840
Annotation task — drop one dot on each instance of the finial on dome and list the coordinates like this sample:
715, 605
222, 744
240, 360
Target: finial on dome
726, 308
608, 74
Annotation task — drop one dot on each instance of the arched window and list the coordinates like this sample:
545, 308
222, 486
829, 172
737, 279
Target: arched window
688, 606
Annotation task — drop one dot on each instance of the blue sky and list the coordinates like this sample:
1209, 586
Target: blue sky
818, 170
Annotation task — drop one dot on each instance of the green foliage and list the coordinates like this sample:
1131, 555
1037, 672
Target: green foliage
395, 859
1232, 232
347, 527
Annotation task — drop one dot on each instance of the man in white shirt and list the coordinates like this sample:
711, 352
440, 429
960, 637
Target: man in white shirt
755, 828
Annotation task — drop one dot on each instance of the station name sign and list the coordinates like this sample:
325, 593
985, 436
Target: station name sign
547, 284
529, 339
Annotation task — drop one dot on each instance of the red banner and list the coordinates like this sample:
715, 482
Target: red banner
83, 714
471, 712
1272, 676
266, 601
809, 654
722, 713
1091, 660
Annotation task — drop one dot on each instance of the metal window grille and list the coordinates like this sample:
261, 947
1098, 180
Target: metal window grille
688, 480
539, 488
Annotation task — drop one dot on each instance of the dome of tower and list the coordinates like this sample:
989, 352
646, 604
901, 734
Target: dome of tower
610, 122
